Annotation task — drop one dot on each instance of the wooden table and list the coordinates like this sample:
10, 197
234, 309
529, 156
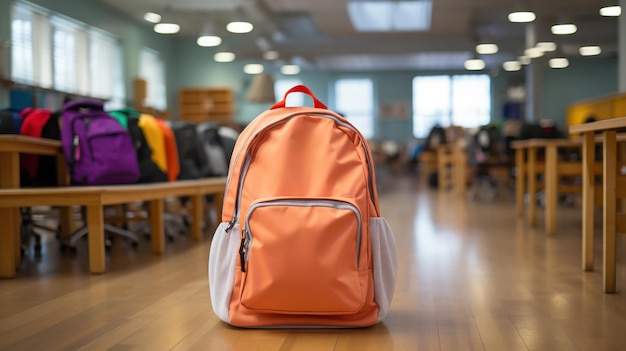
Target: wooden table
11, 146
452, 168
96, 197
614, 187
529, 167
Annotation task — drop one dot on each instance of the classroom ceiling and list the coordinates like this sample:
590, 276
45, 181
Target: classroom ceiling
320, 34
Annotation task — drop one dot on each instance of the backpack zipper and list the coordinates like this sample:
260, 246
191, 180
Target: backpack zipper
270, 125
247, 237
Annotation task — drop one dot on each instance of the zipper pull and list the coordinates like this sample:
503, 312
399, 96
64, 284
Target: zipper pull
230, 226
76, 142
242, 254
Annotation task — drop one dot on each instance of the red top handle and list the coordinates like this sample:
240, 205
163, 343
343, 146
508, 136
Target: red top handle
299, 89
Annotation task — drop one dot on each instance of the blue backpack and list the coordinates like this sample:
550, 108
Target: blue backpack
98, 150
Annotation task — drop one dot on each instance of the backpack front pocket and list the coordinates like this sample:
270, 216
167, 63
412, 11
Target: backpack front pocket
300, 256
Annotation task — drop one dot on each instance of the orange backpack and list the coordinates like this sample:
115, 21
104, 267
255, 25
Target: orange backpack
301, 241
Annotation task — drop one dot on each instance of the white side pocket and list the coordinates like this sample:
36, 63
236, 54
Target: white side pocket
385, 263
222, 262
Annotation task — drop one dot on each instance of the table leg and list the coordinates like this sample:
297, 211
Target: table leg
532, 185
197, 217
66, 217
520, 166
551, 189
157, 226
10, 179
95, 225
609, 175
7, 244
588, 199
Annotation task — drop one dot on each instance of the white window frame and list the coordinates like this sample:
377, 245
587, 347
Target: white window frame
152, 70
51, 66
357, 107
456, 105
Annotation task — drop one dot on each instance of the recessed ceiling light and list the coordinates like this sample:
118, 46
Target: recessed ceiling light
533, 52
290, 69
224, 56
486, 49
546, 46
239, 27
611, 11
590, 50
253, 68
524, 60
558, 62
209, 40
166, 28
474, 64
152, 17
271, 55
563, 29
522, 16
512, 66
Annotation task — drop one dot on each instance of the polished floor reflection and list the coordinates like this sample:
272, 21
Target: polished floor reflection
471, 277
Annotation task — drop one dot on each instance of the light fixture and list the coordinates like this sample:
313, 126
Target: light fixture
564, 29
475, 64
166, 28
261, 89
558, 62
152, 17
238, 25
533, 52
253, 68
271, 55
590, 50
511, 66
486, 49
209, 40
611, 11
224, 56
546, 46
167, 25
290, 70
390, 16
207, 37
524, 60
521, 16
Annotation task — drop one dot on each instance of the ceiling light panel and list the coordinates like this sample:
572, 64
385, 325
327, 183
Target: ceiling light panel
611, 11
253, 68
563, 29
521, 17
152, 17
388, 16
474, 64
590, 50
486, 49
558, 62
512, 66
224, 56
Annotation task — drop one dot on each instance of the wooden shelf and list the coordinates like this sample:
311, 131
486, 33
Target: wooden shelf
200, 104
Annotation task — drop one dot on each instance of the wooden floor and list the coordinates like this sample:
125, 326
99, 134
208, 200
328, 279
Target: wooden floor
471, 277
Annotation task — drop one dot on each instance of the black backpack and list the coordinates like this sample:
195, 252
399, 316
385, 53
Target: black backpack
218, 143
193, 162
436, 137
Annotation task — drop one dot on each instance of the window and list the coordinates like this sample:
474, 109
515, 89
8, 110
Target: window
463, 100
280, 88
152, 70
354, 98
53, 51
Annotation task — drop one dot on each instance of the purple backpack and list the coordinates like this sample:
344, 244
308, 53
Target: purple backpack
98, 150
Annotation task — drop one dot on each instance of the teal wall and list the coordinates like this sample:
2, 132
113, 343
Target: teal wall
190, 65
585, 78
